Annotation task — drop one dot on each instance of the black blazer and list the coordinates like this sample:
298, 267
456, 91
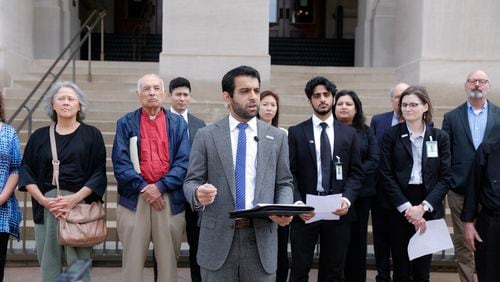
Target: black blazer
397, 162
304, 168
194, 124
456, 124
369, 151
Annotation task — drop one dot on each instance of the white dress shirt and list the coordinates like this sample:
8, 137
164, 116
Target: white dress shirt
251, 156
317, 141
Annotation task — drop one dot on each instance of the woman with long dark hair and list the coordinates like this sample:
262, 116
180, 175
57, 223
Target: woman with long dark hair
349, 110
269, 113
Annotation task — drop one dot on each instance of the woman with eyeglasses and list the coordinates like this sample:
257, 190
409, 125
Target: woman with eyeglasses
82, 175
416, 170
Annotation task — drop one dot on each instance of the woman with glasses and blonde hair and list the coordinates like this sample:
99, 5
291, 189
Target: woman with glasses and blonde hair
416, 171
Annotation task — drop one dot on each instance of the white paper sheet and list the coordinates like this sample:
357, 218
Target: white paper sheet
134, 154
324, 206
436, 238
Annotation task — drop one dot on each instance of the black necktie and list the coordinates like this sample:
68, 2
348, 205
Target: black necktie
326, 158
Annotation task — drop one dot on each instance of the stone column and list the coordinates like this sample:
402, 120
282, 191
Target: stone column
202, 40
16, 38
439, 42
48, 31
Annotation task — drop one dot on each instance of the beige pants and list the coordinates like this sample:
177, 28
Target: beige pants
137, 229
463, 256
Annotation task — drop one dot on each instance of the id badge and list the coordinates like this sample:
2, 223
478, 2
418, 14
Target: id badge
432, 149
338, 169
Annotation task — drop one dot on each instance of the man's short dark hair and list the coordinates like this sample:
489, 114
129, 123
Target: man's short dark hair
178, 82
228, 79
319, 80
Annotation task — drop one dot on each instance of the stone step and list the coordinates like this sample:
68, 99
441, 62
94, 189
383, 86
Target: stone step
98, 67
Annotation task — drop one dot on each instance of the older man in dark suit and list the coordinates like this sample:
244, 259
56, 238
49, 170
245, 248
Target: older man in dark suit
467, 126
382, 207
324, 160
237, 163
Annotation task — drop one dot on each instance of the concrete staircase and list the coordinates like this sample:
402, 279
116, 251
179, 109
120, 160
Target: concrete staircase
112, 93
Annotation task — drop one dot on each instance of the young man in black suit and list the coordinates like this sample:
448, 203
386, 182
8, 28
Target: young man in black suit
179, 94
324, 160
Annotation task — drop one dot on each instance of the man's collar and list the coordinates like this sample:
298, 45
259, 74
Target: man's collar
184, 115
233, 123
146, 114
469, 105
316, 121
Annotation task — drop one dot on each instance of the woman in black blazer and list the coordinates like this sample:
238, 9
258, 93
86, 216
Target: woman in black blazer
348, 110
416, 170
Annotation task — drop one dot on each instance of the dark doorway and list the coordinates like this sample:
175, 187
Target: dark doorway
298, 18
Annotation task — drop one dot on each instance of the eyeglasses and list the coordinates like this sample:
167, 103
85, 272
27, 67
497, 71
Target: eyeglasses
411, 105
64, 98
480, 81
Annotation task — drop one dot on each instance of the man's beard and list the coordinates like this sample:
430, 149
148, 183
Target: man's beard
476, 94
323, 112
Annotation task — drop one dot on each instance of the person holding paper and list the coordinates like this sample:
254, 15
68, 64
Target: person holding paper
415, 167
150, 203
324, 160
482, 228
235, 164
349, 110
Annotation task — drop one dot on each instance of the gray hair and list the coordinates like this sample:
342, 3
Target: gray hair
54, 89
139, 81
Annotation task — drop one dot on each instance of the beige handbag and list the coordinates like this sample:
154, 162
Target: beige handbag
84, 225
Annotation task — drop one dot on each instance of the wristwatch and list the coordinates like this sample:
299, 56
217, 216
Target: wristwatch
426, 207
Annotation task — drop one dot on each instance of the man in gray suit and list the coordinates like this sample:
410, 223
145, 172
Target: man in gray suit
237, 163
467, 126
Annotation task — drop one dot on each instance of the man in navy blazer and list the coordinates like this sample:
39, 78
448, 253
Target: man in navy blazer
467, 126
381, 208
306, 167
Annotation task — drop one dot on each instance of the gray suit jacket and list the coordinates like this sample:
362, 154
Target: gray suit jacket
211, 162
456, 124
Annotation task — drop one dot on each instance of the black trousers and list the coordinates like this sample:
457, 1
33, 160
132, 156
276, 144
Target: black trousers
418, 269
334, 240
355, 265
193, 235
282, 271
382, 235
4, 240
486, 255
